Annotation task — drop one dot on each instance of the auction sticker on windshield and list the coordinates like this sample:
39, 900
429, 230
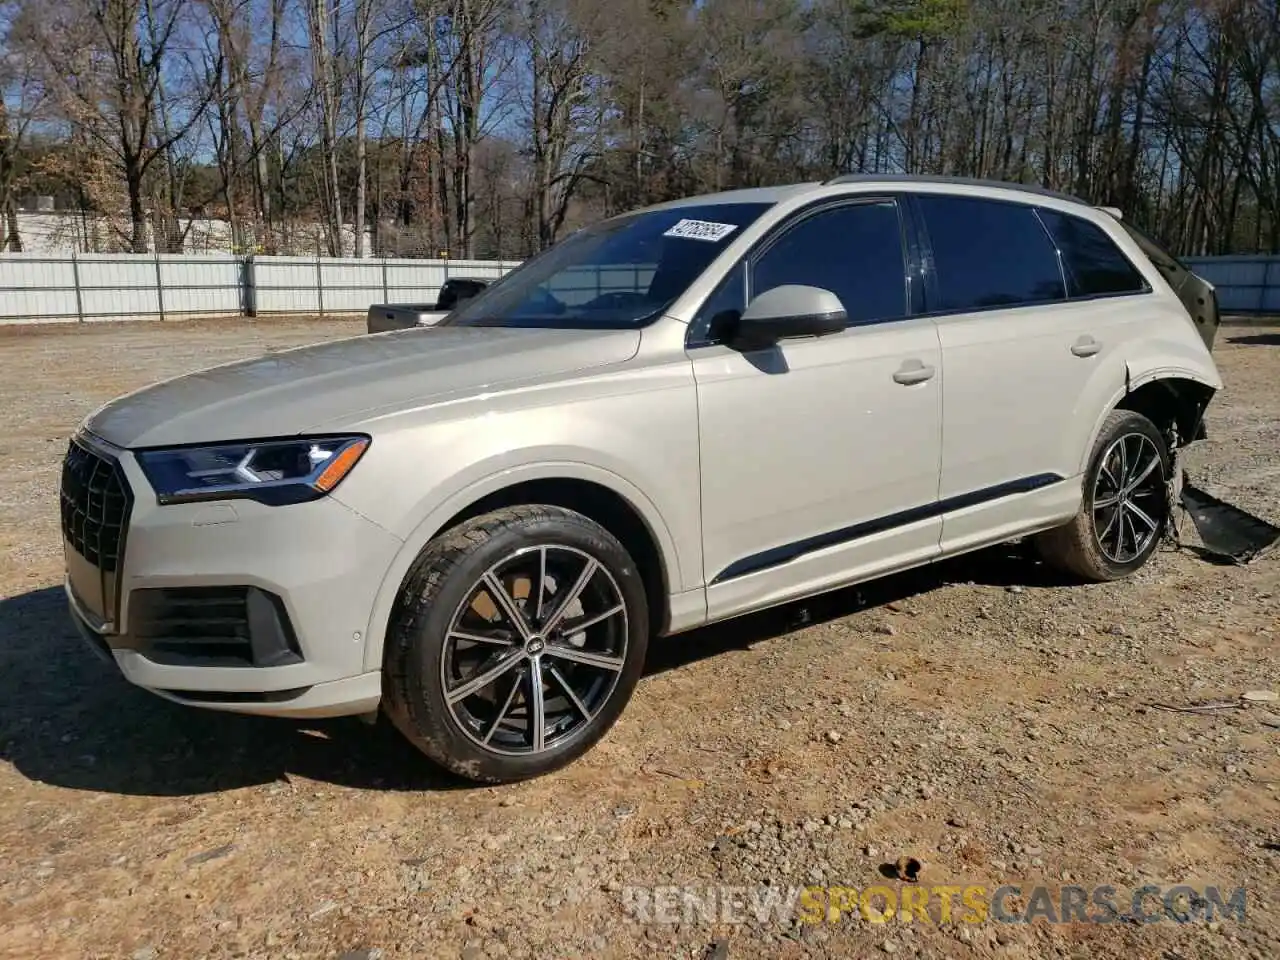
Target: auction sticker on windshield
701, 230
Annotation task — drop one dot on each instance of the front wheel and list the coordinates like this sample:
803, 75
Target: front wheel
517, 641
1126, 503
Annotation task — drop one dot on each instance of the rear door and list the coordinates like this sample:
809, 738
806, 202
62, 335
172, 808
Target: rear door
1018, 353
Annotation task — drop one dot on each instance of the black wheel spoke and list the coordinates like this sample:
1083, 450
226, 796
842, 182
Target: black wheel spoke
537, 707
506, 605
588, 571
1142, 515
586, 623
568, 691
473, 636
540, 587
589, 659
1145, 472
502, 711
482, 680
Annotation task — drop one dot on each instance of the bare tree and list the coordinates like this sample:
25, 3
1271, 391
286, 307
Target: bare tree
322, 27
564, 106
22, 99
104, 63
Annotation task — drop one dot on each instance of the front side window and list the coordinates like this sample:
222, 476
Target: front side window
989, 253
854, 250
1094, 265
618, 273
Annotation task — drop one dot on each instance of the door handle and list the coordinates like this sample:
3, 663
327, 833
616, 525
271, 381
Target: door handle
1086, 346
913, 371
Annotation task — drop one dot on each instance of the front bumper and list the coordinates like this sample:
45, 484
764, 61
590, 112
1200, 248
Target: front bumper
290, 590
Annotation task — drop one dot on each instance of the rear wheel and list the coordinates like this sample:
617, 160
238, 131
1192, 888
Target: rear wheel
517, 642
1125, 508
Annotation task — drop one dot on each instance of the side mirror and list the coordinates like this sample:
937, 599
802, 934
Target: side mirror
791, 310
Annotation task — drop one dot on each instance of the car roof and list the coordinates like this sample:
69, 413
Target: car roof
748, 195
904, 178
777, 194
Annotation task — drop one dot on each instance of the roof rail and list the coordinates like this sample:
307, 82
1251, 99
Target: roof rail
959, 181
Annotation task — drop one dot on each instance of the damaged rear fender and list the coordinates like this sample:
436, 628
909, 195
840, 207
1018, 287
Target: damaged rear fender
1169, 396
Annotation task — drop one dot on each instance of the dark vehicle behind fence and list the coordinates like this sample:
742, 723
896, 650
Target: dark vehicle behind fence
400, 316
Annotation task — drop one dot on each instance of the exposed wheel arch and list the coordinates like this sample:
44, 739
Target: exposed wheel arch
1171, 402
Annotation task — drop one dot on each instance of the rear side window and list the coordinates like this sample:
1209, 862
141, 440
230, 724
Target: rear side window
1094, 265
853, 250
990, 254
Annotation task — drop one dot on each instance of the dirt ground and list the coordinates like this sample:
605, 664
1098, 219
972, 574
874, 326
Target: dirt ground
981, 716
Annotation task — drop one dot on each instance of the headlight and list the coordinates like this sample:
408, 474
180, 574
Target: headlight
273, 472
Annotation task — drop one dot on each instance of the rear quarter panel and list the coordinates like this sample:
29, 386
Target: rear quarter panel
1151, 338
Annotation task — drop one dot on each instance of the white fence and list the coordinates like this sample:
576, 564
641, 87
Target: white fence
36, 288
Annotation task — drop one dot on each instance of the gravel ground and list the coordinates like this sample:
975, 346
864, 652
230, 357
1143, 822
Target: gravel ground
981, 716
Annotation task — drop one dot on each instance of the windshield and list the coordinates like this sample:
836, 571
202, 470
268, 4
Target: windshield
619, 273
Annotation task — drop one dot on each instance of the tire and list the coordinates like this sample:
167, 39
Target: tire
1091, 546
452, 628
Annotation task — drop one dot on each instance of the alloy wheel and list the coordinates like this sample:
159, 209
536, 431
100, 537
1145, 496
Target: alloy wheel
1129, 498
535, 650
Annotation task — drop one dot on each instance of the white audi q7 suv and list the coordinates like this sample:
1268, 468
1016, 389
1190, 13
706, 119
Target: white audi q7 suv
669, 418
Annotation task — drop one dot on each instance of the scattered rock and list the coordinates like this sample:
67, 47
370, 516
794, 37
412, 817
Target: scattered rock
1014, 588
327, 907
889, 947
833, 736
143, 953
364, 953
908, 869
215, 854
1260, 696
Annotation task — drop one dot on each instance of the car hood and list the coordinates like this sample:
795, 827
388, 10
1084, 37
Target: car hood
331, 383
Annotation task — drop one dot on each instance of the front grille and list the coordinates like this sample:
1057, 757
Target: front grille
210, 626
95, 507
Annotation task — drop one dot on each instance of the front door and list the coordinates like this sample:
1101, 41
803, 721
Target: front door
820, 456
